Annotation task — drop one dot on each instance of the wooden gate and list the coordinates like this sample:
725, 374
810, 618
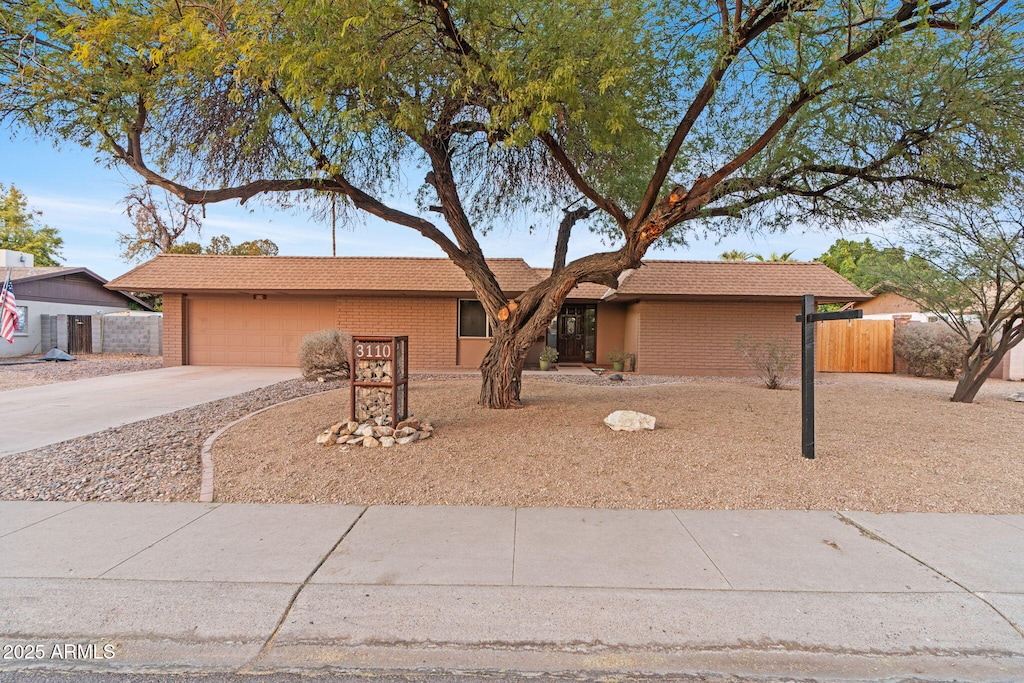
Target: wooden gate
854, 346
79, 334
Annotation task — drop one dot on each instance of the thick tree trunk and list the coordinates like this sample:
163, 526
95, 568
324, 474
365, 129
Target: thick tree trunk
502, 371
975, 373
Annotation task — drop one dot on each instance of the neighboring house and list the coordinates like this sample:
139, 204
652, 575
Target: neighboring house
887, 304
42, 294
676, 317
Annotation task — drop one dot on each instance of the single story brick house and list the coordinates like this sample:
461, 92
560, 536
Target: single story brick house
676, 317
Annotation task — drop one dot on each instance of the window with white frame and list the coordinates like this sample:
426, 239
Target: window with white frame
22, 324
473, 320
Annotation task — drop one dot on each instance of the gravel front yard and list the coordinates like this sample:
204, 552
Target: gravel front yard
86, 365
150, 460
885, 443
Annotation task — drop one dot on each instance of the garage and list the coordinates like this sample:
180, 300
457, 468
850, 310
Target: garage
242, 330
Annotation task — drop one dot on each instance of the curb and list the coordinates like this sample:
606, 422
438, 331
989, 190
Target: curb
206, 484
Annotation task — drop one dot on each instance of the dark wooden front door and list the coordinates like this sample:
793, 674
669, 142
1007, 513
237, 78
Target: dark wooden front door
570, 334
79, 334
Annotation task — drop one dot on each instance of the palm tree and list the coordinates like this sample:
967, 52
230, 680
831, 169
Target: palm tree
788, 256
735, 255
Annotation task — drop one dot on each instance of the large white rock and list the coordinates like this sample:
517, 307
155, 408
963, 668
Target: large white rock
1017, 396
629, 421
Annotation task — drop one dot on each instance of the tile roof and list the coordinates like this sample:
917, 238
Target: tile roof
778, 279
686, 279
183, 273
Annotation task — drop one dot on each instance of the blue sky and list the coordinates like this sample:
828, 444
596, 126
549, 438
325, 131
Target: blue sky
82, 199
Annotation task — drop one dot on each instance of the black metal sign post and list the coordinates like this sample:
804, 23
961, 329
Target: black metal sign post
807, 318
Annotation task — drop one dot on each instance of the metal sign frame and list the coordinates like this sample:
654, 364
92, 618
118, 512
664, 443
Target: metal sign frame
807, 318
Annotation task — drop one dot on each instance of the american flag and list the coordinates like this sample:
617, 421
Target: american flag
8, 310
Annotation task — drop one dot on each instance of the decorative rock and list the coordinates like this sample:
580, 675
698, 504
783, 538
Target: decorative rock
616, 378
1016, 396
371, 435
629, 421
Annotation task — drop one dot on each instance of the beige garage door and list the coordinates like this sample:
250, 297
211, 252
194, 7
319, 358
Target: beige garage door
243, 331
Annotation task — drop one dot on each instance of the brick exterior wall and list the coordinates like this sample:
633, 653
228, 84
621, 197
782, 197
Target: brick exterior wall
697, 338
174, 329
430, 323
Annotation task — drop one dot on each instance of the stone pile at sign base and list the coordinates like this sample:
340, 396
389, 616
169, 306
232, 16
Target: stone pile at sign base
629, 421
373, 433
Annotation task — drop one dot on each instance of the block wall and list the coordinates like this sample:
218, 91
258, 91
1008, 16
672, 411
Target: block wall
128, 334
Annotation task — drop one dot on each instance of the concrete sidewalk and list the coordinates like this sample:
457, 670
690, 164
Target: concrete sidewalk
51, 413
253, 588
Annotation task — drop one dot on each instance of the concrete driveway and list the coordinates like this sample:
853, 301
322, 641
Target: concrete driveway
43, 415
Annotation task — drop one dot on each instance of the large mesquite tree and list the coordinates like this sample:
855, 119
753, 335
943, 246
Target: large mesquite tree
665, 116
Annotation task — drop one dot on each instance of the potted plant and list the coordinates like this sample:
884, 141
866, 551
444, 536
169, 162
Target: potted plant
617, 357
548, 356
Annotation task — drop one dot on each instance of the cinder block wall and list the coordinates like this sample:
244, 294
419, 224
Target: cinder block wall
431, 325
127, 334
698, 338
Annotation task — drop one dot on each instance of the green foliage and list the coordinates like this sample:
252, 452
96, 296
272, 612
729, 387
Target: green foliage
186, 248
221, 245
862, 263
785, 256
549, 354
20, 229
735, 255
772, 359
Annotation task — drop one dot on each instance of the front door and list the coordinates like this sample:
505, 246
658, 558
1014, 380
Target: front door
570, 334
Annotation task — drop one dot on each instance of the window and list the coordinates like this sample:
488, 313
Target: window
472, 319
22, 325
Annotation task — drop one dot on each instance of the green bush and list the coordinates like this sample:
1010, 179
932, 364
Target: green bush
773, 359
324, 354
929, 349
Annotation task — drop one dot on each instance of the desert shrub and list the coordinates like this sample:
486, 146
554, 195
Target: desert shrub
929, 349
324, 354
773, 360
